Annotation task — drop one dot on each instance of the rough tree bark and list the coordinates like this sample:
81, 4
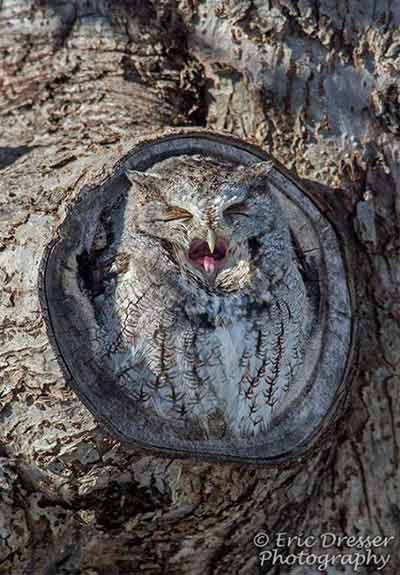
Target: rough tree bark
317, 84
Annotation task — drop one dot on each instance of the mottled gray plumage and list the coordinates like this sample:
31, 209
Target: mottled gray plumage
213, 342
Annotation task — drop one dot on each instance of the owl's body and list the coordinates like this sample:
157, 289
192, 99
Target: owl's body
210, 313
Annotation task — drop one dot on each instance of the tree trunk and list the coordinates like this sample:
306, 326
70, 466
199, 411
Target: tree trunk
316, 83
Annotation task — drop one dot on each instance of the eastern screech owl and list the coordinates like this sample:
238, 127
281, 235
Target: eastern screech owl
210, 315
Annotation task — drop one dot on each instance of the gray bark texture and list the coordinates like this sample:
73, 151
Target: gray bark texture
316, 83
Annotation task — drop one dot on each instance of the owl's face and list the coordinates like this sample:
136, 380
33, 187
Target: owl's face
213, 217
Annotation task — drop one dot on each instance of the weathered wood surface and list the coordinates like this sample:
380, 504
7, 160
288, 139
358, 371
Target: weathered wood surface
317, 83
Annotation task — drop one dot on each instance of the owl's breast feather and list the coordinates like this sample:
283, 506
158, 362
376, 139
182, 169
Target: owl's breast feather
219, 311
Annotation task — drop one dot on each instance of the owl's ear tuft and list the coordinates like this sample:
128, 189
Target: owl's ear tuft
257, 175
140, 179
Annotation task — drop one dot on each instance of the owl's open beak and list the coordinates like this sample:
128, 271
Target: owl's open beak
208, 255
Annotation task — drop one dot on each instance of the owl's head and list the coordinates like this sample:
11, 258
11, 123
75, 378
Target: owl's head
215, 216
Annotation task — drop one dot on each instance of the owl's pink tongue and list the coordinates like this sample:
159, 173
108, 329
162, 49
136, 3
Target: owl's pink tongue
209, 264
